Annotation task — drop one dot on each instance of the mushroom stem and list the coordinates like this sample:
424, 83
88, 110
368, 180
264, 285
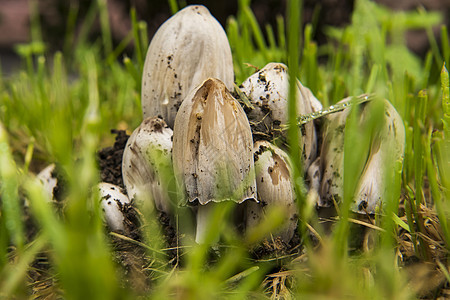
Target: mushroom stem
204, 224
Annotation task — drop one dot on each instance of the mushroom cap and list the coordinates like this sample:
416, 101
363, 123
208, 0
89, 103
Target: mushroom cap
386, 149
188, 48
147, 163
112, 201
275, 188
212, 146
268, 92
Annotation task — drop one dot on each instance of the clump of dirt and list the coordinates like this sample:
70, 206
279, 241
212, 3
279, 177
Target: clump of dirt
277, 248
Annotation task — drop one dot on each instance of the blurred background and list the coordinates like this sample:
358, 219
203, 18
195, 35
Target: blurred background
54, 17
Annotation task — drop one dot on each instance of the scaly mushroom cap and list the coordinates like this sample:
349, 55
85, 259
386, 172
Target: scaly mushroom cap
268, 91
187, 49
212, 146
147, 163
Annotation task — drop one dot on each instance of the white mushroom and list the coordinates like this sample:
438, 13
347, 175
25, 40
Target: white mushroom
386, 149
49, 180
112, 202
275, 189
187, 49
147, 163
268, 91
332, 158
212, 150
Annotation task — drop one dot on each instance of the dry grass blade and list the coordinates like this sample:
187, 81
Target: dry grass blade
125, 238
276, 286
355, 221
242, 275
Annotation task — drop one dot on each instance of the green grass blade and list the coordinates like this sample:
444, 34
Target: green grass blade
294, 21
309, 64
418, 148
88, 23
281, 32
433, 43
106, 28
433, 166
143, 38
11, 206
69, 39
257, 33
112, 57
140, 55
370, 86
419, 124
445, 102
400, 222
445, 45
36, 31
271, 37
173, 6
135, 74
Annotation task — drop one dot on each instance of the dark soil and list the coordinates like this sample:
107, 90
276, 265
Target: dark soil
110, 159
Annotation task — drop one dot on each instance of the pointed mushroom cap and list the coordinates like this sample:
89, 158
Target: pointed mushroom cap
212, 146
147, 163
386, 149
187, 49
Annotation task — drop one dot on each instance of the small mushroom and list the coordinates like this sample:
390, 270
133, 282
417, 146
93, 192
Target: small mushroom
268, 91
147, 163
275, 188
386, 149
212, 150
54, 182
49, 180
187, 49
113, 200
332, 158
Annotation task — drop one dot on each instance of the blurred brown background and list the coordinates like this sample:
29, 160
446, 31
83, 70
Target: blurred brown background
53, 14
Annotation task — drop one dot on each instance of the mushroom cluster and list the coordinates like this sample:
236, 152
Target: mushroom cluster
220, 151
196, 133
